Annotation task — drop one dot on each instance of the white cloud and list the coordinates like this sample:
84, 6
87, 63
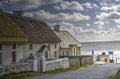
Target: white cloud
117, 21
115, 29
98, 35
90, 5
91, 34
88, 24
110, 15
69, 5
30, 4
117, 0
58, 17
100, 24
113, 8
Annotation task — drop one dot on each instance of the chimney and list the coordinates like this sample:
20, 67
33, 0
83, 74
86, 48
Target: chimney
18, 13
1, 10
57, 28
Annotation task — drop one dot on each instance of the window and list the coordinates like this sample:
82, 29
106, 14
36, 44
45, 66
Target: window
0, 58
67, 53
55, 46
74, 52
30, 46
63, 53
55, 54
13, 46
13, 56
0, 46
46, 54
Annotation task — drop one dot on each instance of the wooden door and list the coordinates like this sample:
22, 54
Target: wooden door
0, 58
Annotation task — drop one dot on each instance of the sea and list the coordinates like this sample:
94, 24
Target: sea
98, 47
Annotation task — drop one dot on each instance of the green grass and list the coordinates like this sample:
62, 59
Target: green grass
115, 76
65, 69
20, 75
24, 75
112, 76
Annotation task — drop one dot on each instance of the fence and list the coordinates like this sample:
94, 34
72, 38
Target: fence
13, 68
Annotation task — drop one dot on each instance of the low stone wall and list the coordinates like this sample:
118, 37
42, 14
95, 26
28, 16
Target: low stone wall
41, 64
13, 68
80, 60
57, 63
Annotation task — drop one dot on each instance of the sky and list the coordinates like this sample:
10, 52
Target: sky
86, 20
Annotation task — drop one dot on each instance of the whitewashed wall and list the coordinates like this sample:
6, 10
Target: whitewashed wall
53, 49
7, 53
58, 63
28, 51
46, 65
23, 51
36, 47
65, 52
71, 51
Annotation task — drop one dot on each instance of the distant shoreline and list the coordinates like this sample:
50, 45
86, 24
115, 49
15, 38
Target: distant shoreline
99, 41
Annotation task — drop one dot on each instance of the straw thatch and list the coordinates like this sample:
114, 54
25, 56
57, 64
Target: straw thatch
20, 29
9, 32
66, 38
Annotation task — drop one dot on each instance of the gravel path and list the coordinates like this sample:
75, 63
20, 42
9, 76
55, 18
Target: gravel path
92, 72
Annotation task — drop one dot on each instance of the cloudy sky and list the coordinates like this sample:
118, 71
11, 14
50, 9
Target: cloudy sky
87, 20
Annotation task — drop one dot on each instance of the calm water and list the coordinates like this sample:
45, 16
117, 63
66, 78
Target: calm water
99, 47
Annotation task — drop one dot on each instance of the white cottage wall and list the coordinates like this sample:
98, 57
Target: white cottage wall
7, 53
23, 51
54, 49
19, 52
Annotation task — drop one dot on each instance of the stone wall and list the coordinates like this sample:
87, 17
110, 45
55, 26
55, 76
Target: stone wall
13, 68
58, 63
80, 60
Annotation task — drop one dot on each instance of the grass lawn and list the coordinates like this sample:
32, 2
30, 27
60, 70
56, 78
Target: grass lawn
112, 76
24, 75
65, 70
20, 75
115, 76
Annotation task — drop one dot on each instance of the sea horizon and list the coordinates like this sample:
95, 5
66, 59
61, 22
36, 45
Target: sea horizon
99, 47
100, 41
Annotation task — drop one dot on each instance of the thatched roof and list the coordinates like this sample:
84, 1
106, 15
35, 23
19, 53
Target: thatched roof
20, 29
9, 32
67, 39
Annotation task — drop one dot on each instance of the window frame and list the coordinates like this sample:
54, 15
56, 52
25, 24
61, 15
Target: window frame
30, 46
13, 46
0, 57
0, 46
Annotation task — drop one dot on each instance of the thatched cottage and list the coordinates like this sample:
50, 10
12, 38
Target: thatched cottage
21, 36
69, 46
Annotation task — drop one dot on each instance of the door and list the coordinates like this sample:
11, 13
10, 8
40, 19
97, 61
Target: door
13, 57
0, 58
